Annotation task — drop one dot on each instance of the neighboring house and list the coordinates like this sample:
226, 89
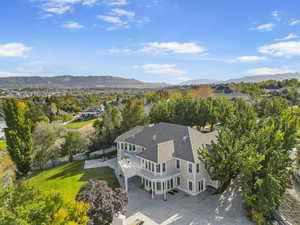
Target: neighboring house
92, 112
223, 89
165, 157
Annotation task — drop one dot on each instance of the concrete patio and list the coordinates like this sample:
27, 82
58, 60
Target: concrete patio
181, 209
95, 163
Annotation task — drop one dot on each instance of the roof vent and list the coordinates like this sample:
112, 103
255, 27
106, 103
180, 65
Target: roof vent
154, 137
184, 138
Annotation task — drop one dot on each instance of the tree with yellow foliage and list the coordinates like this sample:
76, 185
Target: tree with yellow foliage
23, 204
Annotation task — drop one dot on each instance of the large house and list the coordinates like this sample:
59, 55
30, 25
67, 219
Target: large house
165, 157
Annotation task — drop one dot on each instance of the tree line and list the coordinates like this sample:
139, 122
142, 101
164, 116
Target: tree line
256, 153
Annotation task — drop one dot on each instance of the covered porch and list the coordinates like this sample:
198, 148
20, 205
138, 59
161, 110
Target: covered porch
156, 183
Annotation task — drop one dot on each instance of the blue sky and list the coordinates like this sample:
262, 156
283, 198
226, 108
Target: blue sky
150, 40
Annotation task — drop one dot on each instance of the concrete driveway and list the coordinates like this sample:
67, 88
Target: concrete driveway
181, 209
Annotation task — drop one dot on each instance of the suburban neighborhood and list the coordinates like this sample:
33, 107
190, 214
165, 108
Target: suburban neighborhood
149, 112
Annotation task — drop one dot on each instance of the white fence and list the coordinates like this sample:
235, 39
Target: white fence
77, 157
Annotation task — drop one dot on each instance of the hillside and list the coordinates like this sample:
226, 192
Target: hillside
248, 79
74, 82
252, 79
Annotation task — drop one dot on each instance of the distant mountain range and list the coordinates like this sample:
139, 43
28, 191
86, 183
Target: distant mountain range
74, 82
249, 79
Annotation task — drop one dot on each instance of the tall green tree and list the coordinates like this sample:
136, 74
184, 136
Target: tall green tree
133, 114
18, 134
160, 112
223, 158
264, 178
258, 153
107, 128
44, 144
74, 143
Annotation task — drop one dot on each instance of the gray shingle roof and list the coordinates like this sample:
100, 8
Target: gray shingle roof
185, 141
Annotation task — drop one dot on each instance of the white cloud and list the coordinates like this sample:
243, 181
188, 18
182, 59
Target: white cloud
89, 2
245, 59
65, 1
59, 7
121, 18
295, 22
73, 25
116, 2
14, 50
163, 69
172, 47
276, 15
123, 12
118, 50
288, 49
288, 37
269, 71
112, 19
265, 27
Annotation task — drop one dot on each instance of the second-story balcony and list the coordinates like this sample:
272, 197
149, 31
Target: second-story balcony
130, 165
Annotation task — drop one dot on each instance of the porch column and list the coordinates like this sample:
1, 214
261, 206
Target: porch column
126, 183
152, 190
165, 190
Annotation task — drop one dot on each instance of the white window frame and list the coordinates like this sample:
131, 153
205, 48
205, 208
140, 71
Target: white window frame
188, 167
188, 185
199, 185
179, 163
164, 166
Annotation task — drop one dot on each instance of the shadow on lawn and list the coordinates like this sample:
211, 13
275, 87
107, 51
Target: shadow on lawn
77, 167
68, 170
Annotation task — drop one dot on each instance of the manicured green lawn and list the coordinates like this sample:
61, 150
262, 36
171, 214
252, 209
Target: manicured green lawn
69, 177
78, 125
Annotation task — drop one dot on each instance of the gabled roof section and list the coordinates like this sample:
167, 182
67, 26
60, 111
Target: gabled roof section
159, 153
199, 139
164, 141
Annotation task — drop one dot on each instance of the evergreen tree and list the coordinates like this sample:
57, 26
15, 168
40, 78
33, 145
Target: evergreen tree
133, 114
18, 134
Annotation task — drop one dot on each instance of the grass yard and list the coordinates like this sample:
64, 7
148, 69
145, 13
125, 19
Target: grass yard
81, 124
69, 177
2, 145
